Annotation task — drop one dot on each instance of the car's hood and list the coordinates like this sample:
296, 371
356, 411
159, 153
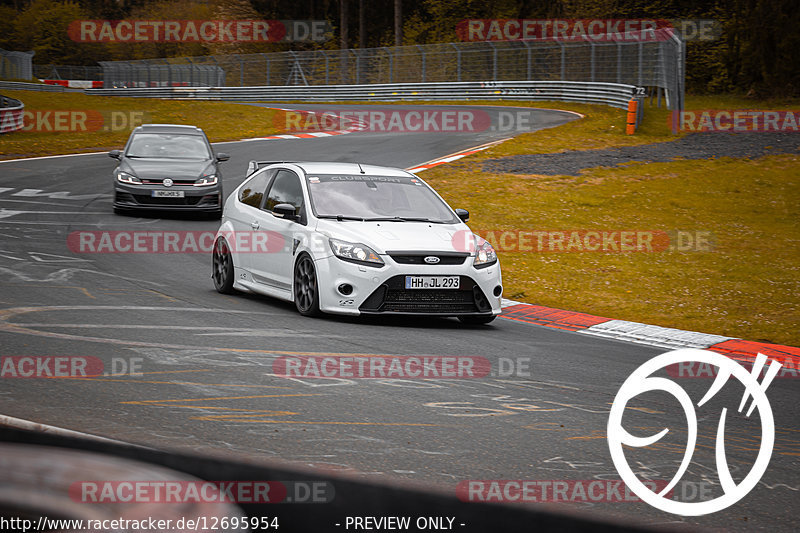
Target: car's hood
395, 236
166, 168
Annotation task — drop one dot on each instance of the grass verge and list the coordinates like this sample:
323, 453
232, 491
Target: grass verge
220, 121
745, 285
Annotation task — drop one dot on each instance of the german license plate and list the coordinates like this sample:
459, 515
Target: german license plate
432, 282
167, 194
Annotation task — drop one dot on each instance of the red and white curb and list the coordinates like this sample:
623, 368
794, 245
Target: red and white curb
357, 126
453, 157
670, 338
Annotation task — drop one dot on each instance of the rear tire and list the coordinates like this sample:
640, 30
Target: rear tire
476, 320
304, 287
222, 267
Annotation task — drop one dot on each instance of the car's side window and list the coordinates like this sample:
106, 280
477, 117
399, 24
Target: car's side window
286, 189
253, 191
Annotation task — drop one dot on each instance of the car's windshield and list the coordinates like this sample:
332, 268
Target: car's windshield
173, 146
401, 198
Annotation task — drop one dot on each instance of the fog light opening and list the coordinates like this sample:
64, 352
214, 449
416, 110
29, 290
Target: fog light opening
345, 289
498, 291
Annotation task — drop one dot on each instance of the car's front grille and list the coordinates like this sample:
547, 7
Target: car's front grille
393, 297
155, 200
174, 181
418, 258
429, 301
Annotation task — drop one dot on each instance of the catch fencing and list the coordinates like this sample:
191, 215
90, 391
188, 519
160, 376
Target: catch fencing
657, 64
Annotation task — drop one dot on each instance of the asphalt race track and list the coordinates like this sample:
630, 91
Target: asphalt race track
202, 361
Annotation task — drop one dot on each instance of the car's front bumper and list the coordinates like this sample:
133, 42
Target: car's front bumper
381, 291
194, 198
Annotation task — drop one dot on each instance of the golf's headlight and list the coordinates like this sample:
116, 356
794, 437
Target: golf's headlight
484, 253
355, 252
211, 179
124, 177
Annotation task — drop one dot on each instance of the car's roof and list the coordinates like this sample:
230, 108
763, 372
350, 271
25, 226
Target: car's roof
318, 167
182, 129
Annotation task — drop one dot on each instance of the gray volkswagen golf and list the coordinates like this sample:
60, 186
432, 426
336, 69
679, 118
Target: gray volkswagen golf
168, 167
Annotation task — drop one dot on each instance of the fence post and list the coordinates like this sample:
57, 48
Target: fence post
528, 52
641, 51
422, 51
458, 61
494, 60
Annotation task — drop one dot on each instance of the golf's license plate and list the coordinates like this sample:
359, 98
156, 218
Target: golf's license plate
432, 282
167, 194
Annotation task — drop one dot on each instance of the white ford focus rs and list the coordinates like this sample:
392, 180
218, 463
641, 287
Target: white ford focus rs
353, 239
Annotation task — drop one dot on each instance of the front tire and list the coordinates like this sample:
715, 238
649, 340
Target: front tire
222, 267
476, 320
306, 292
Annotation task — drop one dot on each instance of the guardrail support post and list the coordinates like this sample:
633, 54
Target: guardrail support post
633, 107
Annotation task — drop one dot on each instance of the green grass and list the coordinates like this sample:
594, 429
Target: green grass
221, 122
745, 286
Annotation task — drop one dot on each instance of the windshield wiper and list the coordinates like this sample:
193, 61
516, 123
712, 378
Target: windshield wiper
400, 219
342, 217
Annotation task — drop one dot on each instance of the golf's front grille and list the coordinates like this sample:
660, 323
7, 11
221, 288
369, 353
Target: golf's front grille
155, 200
174, 181
393, 297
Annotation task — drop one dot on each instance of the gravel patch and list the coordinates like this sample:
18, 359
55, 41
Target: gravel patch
694, 146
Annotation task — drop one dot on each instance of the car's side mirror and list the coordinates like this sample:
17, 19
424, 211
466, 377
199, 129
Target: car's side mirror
222, 156
463, 214
114, 154
286, 211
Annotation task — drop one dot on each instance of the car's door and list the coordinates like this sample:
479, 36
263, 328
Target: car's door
245, 217
275, 267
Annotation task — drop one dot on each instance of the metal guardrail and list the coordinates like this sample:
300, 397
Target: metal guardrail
22, 86
612, 94
11, 114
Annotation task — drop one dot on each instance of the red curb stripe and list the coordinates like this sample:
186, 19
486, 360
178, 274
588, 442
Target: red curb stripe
747, 350
552, 318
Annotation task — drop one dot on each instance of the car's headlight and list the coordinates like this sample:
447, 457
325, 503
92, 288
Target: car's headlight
211, 179
124, 177
484, 253
355, 252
